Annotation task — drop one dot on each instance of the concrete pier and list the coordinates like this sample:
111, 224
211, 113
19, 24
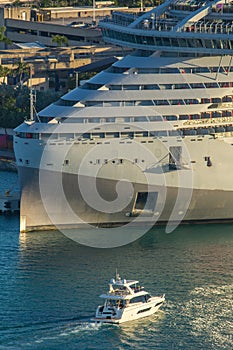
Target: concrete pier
9, 203
7, 160
10, 200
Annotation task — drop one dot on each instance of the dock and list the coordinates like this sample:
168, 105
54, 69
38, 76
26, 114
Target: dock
10, 200
7, 160
9, 203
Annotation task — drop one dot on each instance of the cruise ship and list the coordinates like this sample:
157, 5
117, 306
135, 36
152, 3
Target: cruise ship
149, 139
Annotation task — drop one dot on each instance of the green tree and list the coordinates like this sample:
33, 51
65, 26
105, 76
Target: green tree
60, 40
15, 104
3, 37
4, 72
8, 111
16, 3
21, 69
45, 98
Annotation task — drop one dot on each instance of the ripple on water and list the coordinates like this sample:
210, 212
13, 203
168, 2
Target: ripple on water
209, 312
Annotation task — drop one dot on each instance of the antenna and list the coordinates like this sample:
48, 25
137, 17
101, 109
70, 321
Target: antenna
93, 17
33, 111
117, 276
31, 96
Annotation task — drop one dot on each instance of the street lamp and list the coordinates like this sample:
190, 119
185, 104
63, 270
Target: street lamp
152, 16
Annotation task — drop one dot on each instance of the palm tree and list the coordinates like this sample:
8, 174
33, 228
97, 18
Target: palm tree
21, 69
4, 72
60, 40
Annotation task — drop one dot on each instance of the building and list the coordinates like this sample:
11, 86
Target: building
24, 24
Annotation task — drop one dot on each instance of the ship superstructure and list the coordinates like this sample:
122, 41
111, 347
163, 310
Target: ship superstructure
160, 119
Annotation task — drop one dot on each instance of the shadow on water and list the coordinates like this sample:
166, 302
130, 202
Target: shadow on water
184, 256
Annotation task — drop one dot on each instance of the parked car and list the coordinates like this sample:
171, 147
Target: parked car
78, 24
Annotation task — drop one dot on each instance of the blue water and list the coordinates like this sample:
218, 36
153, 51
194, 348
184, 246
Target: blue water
50, 288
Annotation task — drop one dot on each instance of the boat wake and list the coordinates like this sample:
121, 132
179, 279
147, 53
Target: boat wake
47, 332
79, 327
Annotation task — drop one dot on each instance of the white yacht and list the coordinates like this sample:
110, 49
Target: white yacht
160, 119
126, 301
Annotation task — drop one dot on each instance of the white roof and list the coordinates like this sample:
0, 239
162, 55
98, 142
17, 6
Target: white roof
114, 296
35, 44
122, 296
126, 282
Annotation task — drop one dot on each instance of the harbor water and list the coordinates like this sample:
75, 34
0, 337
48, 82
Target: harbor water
50, 288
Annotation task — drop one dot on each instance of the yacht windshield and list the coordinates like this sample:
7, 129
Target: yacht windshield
117, 288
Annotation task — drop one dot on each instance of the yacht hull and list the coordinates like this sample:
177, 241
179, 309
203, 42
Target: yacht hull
134, 313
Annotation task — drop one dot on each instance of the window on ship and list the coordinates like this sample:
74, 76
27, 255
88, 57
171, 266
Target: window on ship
94, 120
181, 86
112, 134
216, 114
90, 86
93, 103
160, 133
177, 102
205, 100
45, 136
174, 133
205, 115
151, 87
74, 120
99, 135
216, 100
130, 87
67, 136
140, 119
44, 119
110, 120
184, 117
227, 113
141, 133
227, 99
148, 70
127, 134
197, 85
62, 102
114, 69
86, 136
195, 116
170, 117
169, 70
115, 87
139, 299
156, 118
144, 103
211, 85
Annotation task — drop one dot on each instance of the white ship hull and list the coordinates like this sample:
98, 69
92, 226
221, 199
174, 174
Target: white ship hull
56, 197
37, 214
135, 312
